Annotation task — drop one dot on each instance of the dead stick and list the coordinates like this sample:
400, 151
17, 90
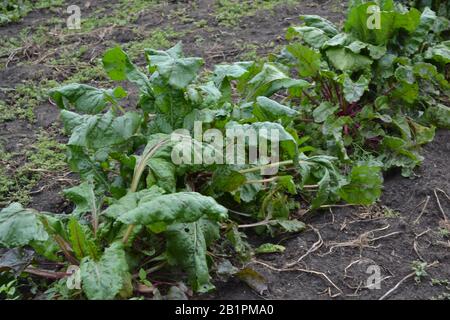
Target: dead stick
423, 210
439, 205
313, 248
46, 273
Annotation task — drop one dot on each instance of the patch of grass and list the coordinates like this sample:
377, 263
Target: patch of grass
157, 39
122, 14
250, 52
14, 11
47, 153
20, 102
48, 4
44, 157
444, 233
229, 13
201, 23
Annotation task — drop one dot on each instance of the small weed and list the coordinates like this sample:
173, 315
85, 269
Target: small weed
420, 270
444, 233
9, 290
390, 213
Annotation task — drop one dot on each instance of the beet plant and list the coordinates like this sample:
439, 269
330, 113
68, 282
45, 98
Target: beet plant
379, 93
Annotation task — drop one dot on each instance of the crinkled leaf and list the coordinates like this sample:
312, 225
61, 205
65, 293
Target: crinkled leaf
353, 91
308, 59
321, 23
103, 132
264, 130
119, 67
267, 109
419, 36
323, 111
239, 242
225, 179
182, 207
346, 60
162, 173
423, 134
312, 36
84, 98
171, 64
364, 187
271, 79
439, 52
16, 259
19, 226
287, 183
187, 245
83, 196
105, 278
439, 115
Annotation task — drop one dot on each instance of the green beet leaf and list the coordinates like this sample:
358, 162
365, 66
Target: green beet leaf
83, 196
131, 201
312, 36
346, 60
186, 246
364, 187
171, 64
81, 240
84, 98
118, 66
267, 109
321, 23
323, 111
19, 226
102, 133
182, 207
105, 278
308, 59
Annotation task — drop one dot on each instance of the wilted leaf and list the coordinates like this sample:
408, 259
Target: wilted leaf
16, 259
254, 280
270, 248
186, 246
292, 225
